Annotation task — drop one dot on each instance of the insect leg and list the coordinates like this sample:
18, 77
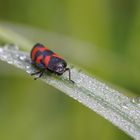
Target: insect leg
68, 69
41, 73
36, 73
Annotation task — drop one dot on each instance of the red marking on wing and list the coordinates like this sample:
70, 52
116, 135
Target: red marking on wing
47, 49
47, 60
39, 58
34, 51
55, 55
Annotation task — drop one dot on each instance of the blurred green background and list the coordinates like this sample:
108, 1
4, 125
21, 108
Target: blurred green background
109, 37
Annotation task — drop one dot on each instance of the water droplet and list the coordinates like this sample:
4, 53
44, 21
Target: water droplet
22, 57
11, 47
136, 100
28, 69
1, 50
10, 61
124, 105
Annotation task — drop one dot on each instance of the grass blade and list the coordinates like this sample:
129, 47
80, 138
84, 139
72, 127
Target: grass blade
109, 103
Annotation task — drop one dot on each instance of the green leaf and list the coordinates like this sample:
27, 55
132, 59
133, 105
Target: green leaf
109, 103
114, 106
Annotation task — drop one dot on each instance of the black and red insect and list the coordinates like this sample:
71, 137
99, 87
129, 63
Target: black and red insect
45, 59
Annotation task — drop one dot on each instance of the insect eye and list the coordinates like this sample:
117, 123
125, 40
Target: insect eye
59, 68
